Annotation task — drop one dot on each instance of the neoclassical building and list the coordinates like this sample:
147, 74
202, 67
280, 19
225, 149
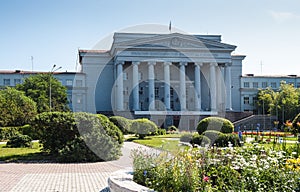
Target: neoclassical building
170, 78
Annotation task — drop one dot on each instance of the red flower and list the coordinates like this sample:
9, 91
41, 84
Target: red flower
206, 178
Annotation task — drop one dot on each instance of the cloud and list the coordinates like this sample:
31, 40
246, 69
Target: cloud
281, 16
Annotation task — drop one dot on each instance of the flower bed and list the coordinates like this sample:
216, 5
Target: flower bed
251, 168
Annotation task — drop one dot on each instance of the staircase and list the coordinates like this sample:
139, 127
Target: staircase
264, 122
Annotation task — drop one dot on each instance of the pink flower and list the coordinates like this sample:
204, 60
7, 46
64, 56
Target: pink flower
206, 178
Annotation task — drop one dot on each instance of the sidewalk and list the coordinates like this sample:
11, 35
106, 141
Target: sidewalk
55, 177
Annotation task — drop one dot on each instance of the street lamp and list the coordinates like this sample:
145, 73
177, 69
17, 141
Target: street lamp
50, 75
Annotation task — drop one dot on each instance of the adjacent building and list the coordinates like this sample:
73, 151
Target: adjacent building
250, 84
74, 82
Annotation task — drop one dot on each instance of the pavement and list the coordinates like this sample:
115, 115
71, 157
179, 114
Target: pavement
59, 177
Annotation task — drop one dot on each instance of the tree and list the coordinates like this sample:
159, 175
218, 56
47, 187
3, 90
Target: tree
16, 109
283, 103
265, 100
287, 102
37, 87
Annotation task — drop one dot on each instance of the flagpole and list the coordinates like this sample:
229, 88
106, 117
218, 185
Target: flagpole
170, 27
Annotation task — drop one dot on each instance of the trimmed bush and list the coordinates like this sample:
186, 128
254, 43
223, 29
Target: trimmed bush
172, 128
212, 135
122, 123
200, 140
215, 123
186, 137
111, 129
7, 132
19, 141
224, 139
143, 127
161, 132
77, 137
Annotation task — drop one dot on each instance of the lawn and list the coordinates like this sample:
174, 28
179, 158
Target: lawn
33, 153
168, 142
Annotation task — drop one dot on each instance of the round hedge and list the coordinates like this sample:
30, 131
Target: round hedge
122, 123
215, 123
143, 127
200, 140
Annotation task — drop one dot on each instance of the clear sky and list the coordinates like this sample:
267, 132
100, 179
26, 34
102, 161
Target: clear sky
266, 31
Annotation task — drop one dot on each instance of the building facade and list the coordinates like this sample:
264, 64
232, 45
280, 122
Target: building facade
74, 82
250, 85
169, 78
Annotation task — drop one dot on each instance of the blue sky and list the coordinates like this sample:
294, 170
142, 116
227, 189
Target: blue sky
266, 31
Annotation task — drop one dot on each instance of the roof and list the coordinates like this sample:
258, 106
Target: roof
34, 72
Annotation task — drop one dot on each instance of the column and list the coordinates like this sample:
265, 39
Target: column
182, 86
120, 95
197, 86
213, 86
151, 85
135, 85
228, 86
167, 85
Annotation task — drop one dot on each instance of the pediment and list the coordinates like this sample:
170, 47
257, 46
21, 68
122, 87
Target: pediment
173, 41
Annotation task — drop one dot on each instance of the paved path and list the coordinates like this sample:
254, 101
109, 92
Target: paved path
55, 177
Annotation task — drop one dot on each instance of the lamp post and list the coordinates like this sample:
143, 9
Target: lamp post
50, 75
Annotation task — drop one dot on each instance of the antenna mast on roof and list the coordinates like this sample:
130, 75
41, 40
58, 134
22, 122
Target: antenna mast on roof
31, 63
261, 64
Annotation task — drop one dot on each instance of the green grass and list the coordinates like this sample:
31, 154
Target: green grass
163, 142
33, 153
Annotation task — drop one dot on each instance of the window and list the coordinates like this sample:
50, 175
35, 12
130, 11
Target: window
255, 84
246, 100
264, 84
246, 84
298, 85
79, 99
79, 83
69, 82
126, 105
125, 91
273, 85
140, 76
125, 76
141, 105
171, 91
6, 82
17, 81
156, 92
141, 91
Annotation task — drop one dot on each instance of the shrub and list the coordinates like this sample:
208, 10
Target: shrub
57, 130
75, 137
19, 141
215, 123
172, 128
296, 124
200, 140
161, 132
212, 135
224, 139
186, 137
143, 127
7, 132
111, 129
122, 123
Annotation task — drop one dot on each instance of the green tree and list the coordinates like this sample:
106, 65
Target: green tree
16, 109
37, 87
287, 102
283, 103
265, 100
